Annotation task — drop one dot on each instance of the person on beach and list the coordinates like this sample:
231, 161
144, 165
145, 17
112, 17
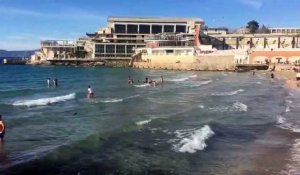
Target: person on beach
90, 92
55, 82
48, 82
2, 129
162, 79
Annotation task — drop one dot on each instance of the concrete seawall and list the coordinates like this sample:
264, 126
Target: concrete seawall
201, 63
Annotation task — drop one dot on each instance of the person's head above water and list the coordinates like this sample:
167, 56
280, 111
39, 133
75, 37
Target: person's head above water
89, 86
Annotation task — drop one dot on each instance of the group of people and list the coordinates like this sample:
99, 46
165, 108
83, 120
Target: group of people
54, 82
147, 81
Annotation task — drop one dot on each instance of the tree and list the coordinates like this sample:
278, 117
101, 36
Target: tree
253, 26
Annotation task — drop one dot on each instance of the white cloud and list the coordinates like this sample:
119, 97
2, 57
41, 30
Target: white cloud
257, 4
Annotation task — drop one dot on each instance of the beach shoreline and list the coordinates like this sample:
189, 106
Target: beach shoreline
289, 75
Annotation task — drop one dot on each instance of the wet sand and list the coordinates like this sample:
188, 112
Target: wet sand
289, 76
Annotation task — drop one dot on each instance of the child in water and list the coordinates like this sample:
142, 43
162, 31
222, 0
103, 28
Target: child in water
90, 92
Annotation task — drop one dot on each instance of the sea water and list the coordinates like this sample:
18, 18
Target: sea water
193, 123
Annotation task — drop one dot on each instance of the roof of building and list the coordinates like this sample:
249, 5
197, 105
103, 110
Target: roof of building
152, 19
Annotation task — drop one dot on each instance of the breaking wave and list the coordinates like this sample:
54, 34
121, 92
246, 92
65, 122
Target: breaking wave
192, 140
284, 124
235, 107
182, 79
44, 101
294, 166
116, 100
111, 100
179, 79
201, 106
228, 93
142, 85
288, 105
201, 83
193, 76
144, 122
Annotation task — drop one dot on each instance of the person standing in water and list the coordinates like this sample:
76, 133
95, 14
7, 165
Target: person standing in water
48, 82
2, 129
272, 74
90, 92
55, 82
130, 80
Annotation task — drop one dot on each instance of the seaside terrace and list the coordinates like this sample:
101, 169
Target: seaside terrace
123, 34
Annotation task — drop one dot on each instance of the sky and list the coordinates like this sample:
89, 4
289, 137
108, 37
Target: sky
24, 23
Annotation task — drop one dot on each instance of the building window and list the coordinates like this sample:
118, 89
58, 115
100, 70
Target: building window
119, 28
99, 48
168, 28
129, 48
156, 29
132, 28
180, 29
145, 29
110, 48
120, 49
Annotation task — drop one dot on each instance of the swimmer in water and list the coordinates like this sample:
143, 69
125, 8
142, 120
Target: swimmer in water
90, 92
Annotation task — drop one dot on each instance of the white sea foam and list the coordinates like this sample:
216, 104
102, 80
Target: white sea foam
294, 164
144, 122
142, 85
288, 105
116, 100
192, 140
235, 107
182, 78
201, 106
44, 101
111, 100
284, 124
228, 93
193, 76
288, 109
178, 79
201, 83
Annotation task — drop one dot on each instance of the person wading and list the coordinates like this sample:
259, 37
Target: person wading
2, 129
90, 92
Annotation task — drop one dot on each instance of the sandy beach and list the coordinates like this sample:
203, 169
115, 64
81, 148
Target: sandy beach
287, 73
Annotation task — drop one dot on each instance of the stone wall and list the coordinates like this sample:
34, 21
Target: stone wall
207, 62
117, 63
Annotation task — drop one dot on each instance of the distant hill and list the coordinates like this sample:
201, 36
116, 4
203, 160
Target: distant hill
17, 53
